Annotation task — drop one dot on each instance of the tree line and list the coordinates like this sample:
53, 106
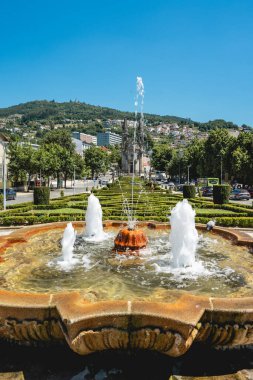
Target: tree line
56, 158
220, 152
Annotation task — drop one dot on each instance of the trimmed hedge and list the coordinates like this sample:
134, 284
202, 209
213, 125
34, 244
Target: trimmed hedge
189, 191
41, 195
221, 194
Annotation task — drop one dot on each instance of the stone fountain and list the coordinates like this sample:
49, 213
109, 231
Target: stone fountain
170, 327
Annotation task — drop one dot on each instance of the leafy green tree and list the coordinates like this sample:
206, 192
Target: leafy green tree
96, 160
22, 162
60, 137
195, 156
178, 164
241, 158
217, 149
161, 156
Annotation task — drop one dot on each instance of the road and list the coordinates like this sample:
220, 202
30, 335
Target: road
80, 187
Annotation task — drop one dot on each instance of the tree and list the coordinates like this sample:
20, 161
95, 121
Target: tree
217, 150
241, 154
195, 156
161, 156
60, 137
58, 145
22, 162
96, 160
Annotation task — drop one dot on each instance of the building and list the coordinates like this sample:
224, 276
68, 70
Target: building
76, 135
89, 139
84, 137
132, 152
108, 138
78, 146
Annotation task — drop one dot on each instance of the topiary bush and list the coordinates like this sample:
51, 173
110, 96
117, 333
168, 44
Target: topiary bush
221, 194
41, 195
189, 191
1, 202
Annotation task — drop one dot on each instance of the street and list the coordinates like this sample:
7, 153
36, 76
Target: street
80, 187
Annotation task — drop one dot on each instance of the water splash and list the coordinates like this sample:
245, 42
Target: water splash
67, 243
183, 236
93, 217
66, 261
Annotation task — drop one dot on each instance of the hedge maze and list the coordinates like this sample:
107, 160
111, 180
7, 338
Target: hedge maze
149, 203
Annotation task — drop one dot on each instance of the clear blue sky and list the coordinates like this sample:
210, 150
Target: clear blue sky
195, 56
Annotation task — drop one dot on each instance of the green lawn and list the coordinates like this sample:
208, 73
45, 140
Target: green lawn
57, 211
203, 211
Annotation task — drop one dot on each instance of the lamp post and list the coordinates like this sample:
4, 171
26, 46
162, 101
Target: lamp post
221, 164
188, 175
74, 180
180, 156
221, 169
4, 143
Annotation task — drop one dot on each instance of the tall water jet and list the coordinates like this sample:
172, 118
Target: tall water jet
130, 239
67, 243
183, 236
93, 218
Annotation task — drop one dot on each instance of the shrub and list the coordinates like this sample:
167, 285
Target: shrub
1, 202
41, 195
62, 194
221, 194
189, 191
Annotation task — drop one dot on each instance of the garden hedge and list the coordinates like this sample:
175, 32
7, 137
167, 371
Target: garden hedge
41, 195
189, 191
221, 194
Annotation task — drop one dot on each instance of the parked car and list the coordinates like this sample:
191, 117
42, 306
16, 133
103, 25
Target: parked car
251, 192
180, 187
207, 191
10, 194
240, 194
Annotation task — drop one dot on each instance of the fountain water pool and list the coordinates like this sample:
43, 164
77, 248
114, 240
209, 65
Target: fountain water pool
101, 274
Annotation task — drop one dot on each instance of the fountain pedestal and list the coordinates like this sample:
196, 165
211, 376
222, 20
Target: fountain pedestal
130, 240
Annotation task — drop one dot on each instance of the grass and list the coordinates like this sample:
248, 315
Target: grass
57, 211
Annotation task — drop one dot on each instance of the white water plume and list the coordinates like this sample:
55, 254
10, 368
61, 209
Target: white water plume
66, 261
139, 93
183, 236
94, 224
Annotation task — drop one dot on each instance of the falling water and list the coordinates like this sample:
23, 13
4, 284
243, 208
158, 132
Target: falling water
93, 218
67, 243
139, 94
183, 236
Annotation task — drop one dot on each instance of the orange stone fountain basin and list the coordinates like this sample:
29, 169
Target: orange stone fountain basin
89, 325
130, 240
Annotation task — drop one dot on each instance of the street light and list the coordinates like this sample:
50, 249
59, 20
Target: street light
221, 170
221, 164
4, 142
74, 184
188, 176
180, 156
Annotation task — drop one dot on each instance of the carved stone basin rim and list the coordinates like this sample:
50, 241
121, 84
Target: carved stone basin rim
86, 326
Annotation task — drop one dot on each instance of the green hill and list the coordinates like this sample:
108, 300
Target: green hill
59, 112
51, 111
